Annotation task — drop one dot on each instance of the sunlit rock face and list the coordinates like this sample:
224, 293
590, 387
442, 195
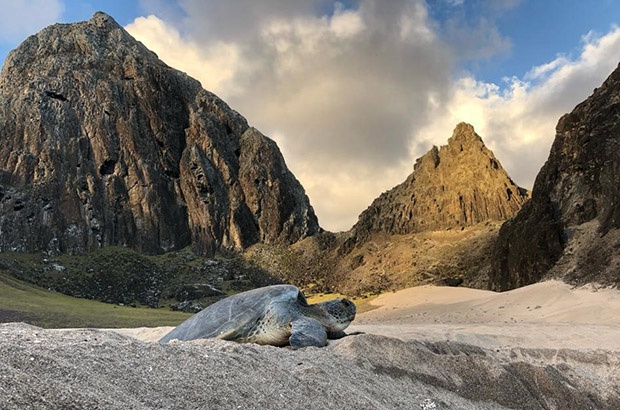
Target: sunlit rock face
458, 185
101, 143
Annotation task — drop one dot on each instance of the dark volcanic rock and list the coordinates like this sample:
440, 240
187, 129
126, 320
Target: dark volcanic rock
570, 227
104, 144
460, 184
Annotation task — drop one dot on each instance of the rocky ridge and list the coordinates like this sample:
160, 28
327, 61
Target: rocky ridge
570, 228
458, 185
104, 144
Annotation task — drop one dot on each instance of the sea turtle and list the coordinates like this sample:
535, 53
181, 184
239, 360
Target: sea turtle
276, 315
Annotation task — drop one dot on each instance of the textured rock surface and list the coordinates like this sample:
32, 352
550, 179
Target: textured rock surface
460, 184
570, 227
104, 144
51, 369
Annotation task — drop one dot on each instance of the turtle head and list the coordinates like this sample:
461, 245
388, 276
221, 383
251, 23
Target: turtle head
340, 313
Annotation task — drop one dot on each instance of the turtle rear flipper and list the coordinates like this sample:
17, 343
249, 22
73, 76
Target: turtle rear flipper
306, 332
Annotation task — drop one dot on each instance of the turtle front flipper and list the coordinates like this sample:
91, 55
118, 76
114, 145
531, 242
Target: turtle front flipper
307, 332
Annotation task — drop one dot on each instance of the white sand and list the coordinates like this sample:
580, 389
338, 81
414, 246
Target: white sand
545, 302
545, 315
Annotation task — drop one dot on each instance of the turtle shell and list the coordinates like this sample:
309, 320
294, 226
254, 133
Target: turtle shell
234, 317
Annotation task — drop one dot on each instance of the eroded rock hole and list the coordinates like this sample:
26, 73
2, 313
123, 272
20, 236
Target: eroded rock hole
107, 167
172, 173
55, 95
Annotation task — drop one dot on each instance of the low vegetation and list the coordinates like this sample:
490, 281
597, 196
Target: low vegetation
122, 277
23, 302
383, 262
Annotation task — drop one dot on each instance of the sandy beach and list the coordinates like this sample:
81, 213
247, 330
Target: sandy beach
545, 302
549, 315
545, 346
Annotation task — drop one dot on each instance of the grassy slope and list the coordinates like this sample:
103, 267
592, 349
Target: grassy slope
21, 302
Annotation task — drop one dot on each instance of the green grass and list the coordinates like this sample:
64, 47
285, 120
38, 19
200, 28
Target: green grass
22, 302
118, 276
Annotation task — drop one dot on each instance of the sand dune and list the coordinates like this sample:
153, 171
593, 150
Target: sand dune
545, 315
545, 302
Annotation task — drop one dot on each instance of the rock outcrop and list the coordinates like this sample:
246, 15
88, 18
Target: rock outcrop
458, 185
570, 227
104, 144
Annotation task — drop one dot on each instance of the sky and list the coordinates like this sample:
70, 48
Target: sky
354, 91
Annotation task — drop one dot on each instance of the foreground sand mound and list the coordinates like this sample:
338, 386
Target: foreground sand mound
52, 369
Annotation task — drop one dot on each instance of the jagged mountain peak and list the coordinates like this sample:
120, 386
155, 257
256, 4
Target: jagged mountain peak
465, 135
457, 185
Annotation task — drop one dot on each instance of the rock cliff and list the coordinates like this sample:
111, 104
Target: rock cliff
570, 227
458, 185
104, 144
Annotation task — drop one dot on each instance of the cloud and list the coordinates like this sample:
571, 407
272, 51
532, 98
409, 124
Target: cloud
346, 89
353, 94
475, 40
340, 89
20, 18
470, 28
241, 19
215, 64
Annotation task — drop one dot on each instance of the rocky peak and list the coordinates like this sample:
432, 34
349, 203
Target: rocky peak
104, 144
457, 185
464, 137
570, 228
